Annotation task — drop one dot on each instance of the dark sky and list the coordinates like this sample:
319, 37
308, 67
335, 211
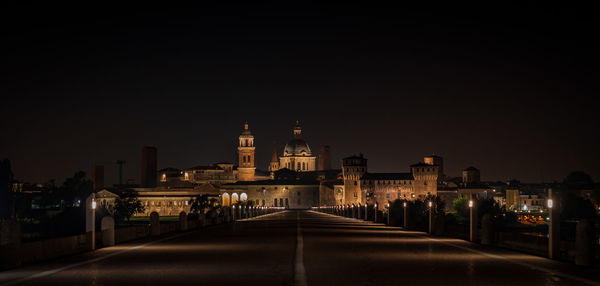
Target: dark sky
508, 88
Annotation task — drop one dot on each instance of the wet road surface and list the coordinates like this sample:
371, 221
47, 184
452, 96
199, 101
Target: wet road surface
302, 248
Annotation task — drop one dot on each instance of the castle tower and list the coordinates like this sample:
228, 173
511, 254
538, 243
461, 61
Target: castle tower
324, 158
437, 161
274, 164
425, 182
246, 149
470, 176
353, 168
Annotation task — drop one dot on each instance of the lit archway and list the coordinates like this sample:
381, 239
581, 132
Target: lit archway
243, 197
225, 199
234, 198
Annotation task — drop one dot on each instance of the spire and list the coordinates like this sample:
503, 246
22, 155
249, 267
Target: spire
246, 125
297, 130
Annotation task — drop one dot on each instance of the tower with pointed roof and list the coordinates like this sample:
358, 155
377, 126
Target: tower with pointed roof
246, 149
274, 164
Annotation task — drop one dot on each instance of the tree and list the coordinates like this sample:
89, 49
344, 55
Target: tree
461, 207
573, 204
74, 190
578, 180
203, 204
396, 211
127, 204
6, 178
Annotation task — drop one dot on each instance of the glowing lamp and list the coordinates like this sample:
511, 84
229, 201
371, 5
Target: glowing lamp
430, 204
376, 205
93, 204
550, 203
470, 203
404, 204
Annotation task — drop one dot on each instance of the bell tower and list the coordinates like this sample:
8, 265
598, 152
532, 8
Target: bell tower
246, 166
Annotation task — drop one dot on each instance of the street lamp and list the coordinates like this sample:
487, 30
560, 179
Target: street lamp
550, 203
375, 213
470, 203
430, 217
93, 221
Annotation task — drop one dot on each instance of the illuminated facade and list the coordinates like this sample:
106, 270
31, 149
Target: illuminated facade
361, 187
272, 193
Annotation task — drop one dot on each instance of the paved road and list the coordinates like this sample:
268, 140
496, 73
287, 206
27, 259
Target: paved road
302, 248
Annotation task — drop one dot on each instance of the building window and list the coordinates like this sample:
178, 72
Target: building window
244, 159
281, 202
163, 178
298, 166
299, 203
275, 202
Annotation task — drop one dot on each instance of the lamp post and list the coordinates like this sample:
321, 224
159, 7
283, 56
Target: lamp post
430, 216
366, 211
375, 212
389, 213
93, 221
405, 214
473, 219
553, 228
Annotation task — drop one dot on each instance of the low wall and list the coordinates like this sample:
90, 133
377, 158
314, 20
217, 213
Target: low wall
523, 242
131, 233
24, 253
17, 254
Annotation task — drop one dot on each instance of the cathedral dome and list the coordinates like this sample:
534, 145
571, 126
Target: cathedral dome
296, 146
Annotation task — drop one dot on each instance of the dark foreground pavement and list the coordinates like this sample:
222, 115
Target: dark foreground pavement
302, 248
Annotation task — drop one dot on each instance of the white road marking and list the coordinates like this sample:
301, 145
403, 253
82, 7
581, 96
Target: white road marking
524, 264
300, 272
500, 257
261, 216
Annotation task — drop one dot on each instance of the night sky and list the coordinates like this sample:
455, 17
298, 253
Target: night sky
507, 88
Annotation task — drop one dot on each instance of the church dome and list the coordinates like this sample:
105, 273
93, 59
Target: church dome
296, 146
